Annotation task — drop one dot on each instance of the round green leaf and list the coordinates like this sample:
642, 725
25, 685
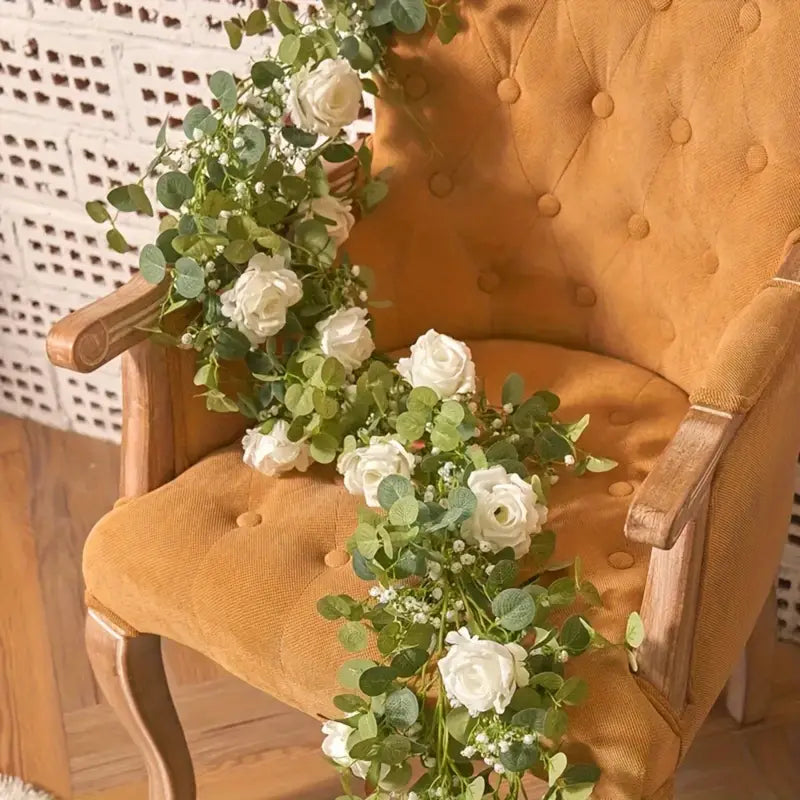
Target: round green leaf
401, 709
116, 241
514, 609
392, 488
173, 189
97, 211
348, 703
555, 767
223, 87
324, 448
189, 278
254, 146
404, 511
394, 749
410, 425
513, 389
409, 661
575, 637
634, 632
376, 680
120, 198
152, 264
520, 757
265, 73
353, 636
351, 671
409, 15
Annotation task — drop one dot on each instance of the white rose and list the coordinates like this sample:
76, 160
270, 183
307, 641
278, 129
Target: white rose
335, 747
440, 363
507, 512
480, 674
365, 467
327, 98
336, 213
344, 335
273, 452
258, 301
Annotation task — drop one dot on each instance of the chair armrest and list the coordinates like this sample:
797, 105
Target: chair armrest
93, 335
751, 350
674, 491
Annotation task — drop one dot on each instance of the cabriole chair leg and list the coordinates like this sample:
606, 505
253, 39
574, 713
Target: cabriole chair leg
748, 691
130, 672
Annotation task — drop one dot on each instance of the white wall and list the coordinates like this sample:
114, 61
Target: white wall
84, 87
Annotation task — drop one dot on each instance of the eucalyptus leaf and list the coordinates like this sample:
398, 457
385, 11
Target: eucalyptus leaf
152, 264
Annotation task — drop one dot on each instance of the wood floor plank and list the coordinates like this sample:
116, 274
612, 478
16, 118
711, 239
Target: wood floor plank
73, 485
32, 743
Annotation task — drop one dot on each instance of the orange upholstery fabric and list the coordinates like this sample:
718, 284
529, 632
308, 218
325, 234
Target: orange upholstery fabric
613, 175
231, 563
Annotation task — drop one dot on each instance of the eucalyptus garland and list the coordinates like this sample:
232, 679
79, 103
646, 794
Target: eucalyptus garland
466, 691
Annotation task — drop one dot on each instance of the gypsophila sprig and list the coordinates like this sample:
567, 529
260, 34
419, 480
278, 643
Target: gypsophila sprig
470, 683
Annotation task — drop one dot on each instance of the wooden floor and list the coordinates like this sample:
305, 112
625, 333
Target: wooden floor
56, 732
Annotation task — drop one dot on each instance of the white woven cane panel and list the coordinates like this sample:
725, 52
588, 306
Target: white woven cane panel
34, 159
10, 256
103, 161
789, 575
15, 8
28, 310
160, 81
58, 75
160, 18
93, 402
69, 251
27, 387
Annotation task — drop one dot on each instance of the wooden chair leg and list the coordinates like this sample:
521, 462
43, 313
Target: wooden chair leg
130, 672
748, 691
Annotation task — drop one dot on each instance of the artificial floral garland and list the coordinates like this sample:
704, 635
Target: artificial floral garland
472, 665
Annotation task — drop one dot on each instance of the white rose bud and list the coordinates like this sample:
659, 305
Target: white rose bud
439, 363
336, 213
365, 467
507, 512
480, 674
335, 747
326, 99
273, 452
344, 335
258, 301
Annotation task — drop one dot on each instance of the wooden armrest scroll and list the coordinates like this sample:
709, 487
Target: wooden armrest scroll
92, 336
673, 493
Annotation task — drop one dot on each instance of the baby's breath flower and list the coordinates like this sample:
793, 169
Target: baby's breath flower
459, 545
224, 159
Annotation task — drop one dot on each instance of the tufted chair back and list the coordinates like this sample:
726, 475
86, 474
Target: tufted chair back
611, 175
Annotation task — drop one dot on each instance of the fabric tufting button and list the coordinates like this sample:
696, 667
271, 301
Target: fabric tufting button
248, 520
585, 296
680, 130
620, 417
440, 184
620, 489
749, 17
415, 87
621, 560
549, 205
508, 90
638, 227
337, 558
756, 158
603, 105
488, 281
661, 5
710, 262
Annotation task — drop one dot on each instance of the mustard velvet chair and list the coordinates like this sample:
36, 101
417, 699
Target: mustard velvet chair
604, 196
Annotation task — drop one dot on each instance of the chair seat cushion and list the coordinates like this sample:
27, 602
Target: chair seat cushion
231, 563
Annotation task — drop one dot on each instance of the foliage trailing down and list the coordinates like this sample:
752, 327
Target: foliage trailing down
468, 679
